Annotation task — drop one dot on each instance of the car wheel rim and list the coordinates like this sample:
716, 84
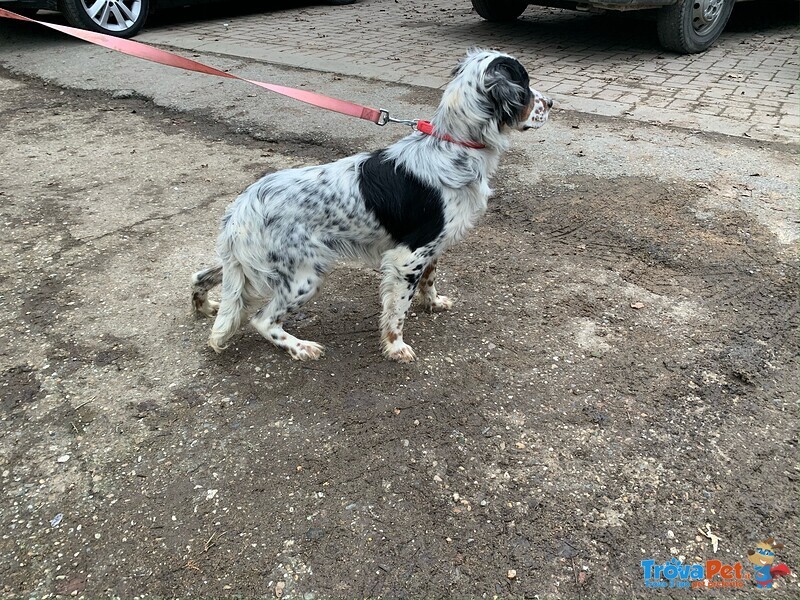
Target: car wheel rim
113, 15
705, 14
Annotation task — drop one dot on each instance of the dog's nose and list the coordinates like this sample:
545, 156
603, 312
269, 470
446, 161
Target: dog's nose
549, 102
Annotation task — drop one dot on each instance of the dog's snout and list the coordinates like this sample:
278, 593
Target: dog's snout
549, 102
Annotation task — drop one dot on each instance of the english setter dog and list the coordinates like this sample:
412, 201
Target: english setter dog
398, 208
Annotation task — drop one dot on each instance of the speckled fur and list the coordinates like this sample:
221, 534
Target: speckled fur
285, 232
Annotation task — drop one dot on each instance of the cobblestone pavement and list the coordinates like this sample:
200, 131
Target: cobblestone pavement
609, 65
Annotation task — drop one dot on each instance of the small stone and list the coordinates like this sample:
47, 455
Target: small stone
279, 589
210, 494
63, 458
670, 534
314, 533
123, 94
512, 573
437, 479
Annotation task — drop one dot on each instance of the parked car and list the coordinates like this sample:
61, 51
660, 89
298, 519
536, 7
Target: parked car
122, 18
684, 26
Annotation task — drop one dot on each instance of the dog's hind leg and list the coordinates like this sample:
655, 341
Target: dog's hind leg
201, 283
231, 306
289, 295
402, 270
426, 292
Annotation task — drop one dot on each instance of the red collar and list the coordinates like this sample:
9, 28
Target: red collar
427, 128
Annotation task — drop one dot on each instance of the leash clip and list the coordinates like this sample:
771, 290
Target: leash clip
384, 118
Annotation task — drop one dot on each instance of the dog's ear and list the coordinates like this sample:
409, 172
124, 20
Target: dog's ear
473, 52
508, 86
459, 67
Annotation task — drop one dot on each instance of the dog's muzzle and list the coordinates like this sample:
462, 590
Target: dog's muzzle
539, 110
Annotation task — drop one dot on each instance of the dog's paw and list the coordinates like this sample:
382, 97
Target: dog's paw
304, 350
401, 353
216, 344
439, 304
203, 306
209, 308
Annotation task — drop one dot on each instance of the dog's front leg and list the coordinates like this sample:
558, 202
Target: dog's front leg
428, 297
402, 270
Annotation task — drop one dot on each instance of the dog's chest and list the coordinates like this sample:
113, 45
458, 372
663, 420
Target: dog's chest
463, 208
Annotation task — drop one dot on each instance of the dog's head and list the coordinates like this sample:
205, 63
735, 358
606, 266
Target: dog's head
498, 86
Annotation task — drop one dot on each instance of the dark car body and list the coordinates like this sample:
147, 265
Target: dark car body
685, 26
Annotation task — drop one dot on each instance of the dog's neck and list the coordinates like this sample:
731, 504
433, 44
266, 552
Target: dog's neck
463, 119
427, 128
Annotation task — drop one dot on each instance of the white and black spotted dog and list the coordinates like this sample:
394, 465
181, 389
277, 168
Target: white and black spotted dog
399, 208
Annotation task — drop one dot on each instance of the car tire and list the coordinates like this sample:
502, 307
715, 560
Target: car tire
691, 26
120, 18
499, 10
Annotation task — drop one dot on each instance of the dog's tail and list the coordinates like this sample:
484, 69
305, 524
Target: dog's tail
202, 282
231, 307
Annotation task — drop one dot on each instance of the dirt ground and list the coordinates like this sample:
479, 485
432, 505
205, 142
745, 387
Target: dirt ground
619, 370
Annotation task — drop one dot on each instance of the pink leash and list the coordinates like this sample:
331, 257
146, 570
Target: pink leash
377, 116
381, 117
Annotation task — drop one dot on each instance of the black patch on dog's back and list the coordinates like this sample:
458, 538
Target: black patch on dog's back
409, 209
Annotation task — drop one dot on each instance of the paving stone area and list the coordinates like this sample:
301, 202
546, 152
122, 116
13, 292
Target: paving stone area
602, 64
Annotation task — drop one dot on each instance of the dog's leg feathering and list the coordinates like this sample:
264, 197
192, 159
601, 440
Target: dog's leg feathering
202, 282
426, 292
401, 270
231, 306
290, 295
